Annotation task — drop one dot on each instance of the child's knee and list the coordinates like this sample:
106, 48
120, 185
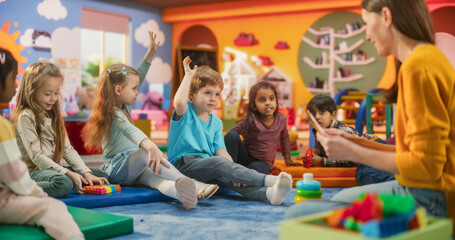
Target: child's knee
139, 157
61, 186
231, 136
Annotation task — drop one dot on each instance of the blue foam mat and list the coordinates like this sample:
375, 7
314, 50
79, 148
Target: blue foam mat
128, 195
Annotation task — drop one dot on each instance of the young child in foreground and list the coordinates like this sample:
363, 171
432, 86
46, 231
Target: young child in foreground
22, 201
196, 144
128, 152
324, 110
262, 129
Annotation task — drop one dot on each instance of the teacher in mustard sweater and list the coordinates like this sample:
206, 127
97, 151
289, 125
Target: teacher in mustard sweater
424, 158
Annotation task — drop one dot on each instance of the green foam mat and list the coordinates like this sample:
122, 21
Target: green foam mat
94, 225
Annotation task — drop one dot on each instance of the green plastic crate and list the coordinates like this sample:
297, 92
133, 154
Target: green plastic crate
308, 229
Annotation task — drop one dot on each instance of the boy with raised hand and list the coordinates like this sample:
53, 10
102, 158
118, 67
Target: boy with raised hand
196, 145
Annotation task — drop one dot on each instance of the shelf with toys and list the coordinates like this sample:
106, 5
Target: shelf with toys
326, 38
350, 78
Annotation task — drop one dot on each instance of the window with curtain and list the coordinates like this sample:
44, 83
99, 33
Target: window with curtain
104, 39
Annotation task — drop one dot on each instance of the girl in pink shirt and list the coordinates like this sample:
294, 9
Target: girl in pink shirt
262, 129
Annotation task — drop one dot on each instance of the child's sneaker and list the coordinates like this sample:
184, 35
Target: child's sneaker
206, 191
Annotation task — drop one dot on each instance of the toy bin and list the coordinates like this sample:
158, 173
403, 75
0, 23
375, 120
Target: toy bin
313, 227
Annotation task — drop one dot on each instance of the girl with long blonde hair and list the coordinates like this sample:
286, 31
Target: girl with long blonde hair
22, 200
130, 157
41, 134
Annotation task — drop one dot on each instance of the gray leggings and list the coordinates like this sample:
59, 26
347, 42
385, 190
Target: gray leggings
56, 184
221, 171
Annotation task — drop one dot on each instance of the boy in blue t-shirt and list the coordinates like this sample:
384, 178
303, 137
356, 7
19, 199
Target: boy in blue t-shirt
196, 145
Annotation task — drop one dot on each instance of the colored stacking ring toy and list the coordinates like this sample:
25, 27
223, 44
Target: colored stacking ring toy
308, 193
299, 199
314, 185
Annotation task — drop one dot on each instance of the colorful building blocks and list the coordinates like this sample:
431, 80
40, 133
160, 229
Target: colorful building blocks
101, 190
379, 215
311, 227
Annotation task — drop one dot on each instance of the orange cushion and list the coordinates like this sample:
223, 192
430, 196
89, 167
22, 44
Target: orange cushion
328, 176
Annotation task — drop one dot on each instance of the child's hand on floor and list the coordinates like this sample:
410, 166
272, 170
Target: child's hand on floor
289, 162
77, 180
317, 161
91, 179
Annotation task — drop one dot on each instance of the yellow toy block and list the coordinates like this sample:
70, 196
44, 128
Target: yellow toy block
144, 125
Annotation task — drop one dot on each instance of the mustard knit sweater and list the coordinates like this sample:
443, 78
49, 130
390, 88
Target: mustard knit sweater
425, 125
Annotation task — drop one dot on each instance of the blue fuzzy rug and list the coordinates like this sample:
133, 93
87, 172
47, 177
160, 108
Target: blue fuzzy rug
220, 217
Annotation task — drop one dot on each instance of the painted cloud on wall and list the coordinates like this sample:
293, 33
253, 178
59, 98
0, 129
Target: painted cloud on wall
36, 38
66, 43
26, 39
159, 72
52, 9
2, 1
141, 34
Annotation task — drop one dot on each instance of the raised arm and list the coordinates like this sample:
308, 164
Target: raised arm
181, 97
144, 65
153, 46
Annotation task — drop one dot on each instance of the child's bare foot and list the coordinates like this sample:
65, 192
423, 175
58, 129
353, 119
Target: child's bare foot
206, 191
186, 192
278, 192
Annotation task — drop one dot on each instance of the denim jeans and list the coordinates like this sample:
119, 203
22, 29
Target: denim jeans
432, 200
367, 175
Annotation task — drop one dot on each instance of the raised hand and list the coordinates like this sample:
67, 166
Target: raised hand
186, 65
153, 46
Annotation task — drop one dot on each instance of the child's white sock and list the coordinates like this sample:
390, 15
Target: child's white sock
186, 192
282, 187
270, 180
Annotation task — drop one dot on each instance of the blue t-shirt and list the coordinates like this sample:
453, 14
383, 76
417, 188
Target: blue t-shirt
192, 136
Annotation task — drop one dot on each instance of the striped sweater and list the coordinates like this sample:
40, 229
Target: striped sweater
14, 172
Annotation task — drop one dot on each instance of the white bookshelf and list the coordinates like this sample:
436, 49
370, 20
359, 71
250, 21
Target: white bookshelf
334, 58
315, 66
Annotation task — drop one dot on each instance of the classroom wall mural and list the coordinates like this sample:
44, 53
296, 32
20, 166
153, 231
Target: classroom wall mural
252, 31
51, 29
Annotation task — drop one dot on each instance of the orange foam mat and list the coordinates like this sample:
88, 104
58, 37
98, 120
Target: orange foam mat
298, 171
329, 177
340, 182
